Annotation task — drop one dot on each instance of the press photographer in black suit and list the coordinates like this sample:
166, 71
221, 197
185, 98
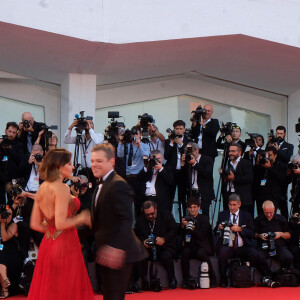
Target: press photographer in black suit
174, 148
239, 179
238, 243
198, 170
205, 131
197, 241
294, 242
294, 178
162, 226
158, 181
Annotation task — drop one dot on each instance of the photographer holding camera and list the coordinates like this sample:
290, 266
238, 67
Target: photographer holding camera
198, 169
294, 178
235, 229
28, 131
205, 130
88, 139
272, 233
272, 174
157, 140
158, 180
198, 241
157, 231
51, 142
294, 243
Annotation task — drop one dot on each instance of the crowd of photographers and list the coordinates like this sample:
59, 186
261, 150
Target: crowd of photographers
156, 168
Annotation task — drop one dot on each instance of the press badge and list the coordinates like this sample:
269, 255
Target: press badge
5, 158
232, 236
188, 238
263, 182
1, 247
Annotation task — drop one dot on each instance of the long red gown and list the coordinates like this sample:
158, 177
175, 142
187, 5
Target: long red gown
60, 272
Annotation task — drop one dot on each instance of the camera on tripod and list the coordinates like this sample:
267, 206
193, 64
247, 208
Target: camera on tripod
145, 119
198, 114
270, 244
81, 121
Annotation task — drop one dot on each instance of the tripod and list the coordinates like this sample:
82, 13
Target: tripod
79, 142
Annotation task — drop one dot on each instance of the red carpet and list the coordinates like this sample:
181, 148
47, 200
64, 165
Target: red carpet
256, 293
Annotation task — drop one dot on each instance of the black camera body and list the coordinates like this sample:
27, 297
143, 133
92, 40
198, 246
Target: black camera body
273, 139
295, 219
48, 133
78, 185
145, 119
251, 141
189, 153
263, 157
113, 129
173, 135
38, 157
270, 245
227, 128
26, 123
5, 146
198, 114
14, 188
82, 121
153, 161
128, 135
193, 283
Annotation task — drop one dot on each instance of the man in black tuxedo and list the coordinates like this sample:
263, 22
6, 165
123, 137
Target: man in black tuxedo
158, 181
116, 245
239, 179
241, 231
197, 241
29, 131
205, 132
198, 170
162, 226
174, 148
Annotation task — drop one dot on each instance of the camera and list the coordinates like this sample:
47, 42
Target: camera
295, 219
292, 166
38, 157
4, 213
193, 283
26, 124
191, 222
263, 157
173, 135
128, 135
113, 129
5, 146
226, 233
198, 114
188, 153
78, 185
82, 121
145, 119
14, 188
47, 133
273, 139
227, 128
251, 142
153, 161
297, 126
270, 245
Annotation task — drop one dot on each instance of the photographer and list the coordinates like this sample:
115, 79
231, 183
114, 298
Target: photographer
237, 178
132, 150
28, 131
235, 229
87, 141
198, 241
162, 226
272, 233
255, 149
174, 148
157, 140
230, 135
272, 174
158, 180
198, 170
294, 243
10, 255
294, 177
205, 130
51, 141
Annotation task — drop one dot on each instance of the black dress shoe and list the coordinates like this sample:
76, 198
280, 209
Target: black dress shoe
223, 284
135, 287
184, 284
213, 283
173, 284
145, 285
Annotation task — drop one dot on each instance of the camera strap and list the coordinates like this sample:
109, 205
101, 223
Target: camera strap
151, 226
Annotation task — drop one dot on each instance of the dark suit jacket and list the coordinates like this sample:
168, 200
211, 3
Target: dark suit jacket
201, 235
165, 227
221, 145
245, 218
209, 144
285, 152
243, 181
171, 152
163, 185
204, 177
112, 218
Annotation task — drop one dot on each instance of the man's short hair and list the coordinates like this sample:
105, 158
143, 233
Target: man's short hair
155, 152
83, 177
37, 147
12, 124
137, 128
148, 204
280, 127
192, 201
179, 123
109, 150
271, 148
234, 197
239, 147
194, 146
262, 138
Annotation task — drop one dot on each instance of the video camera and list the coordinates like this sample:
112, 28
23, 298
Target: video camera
227, 128
251, 142
145, 119
270, 245
273, 139
4, 213
47, 133
82, 121
198, 114
113, 129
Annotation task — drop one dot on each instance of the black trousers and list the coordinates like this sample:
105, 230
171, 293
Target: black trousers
115, 282
180, 182
136, 185
250, 254
198, 253
283, 254
165, 257
296, 253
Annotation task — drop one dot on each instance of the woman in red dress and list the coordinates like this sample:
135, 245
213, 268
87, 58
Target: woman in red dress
60, 272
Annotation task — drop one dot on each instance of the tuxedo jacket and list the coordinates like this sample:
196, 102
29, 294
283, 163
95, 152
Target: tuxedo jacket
243, 178
165, 226
245, 220
209, 144
171, 151
285, 152
112, 218
163, 185
204, 168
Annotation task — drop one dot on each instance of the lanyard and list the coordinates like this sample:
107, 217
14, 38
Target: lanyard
152, 226
151, 145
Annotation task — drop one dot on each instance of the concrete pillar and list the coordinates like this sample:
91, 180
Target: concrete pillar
78, 93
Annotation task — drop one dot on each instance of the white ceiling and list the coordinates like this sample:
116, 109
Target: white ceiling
241, 59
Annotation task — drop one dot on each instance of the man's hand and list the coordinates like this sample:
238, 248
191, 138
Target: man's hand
31, 159
230, 177
267, 165
74, 191
193, 160
184, 222
110, 257
221, 227
228, 138
137, 140
160, 241
278, 235
236, 228
262, 236
178, 141
296, 171
75, 122
89, 124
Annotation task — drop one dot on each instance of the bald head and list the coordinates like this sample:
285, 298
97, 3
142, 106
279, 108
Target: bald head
269, 209
27, 116
209, 111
